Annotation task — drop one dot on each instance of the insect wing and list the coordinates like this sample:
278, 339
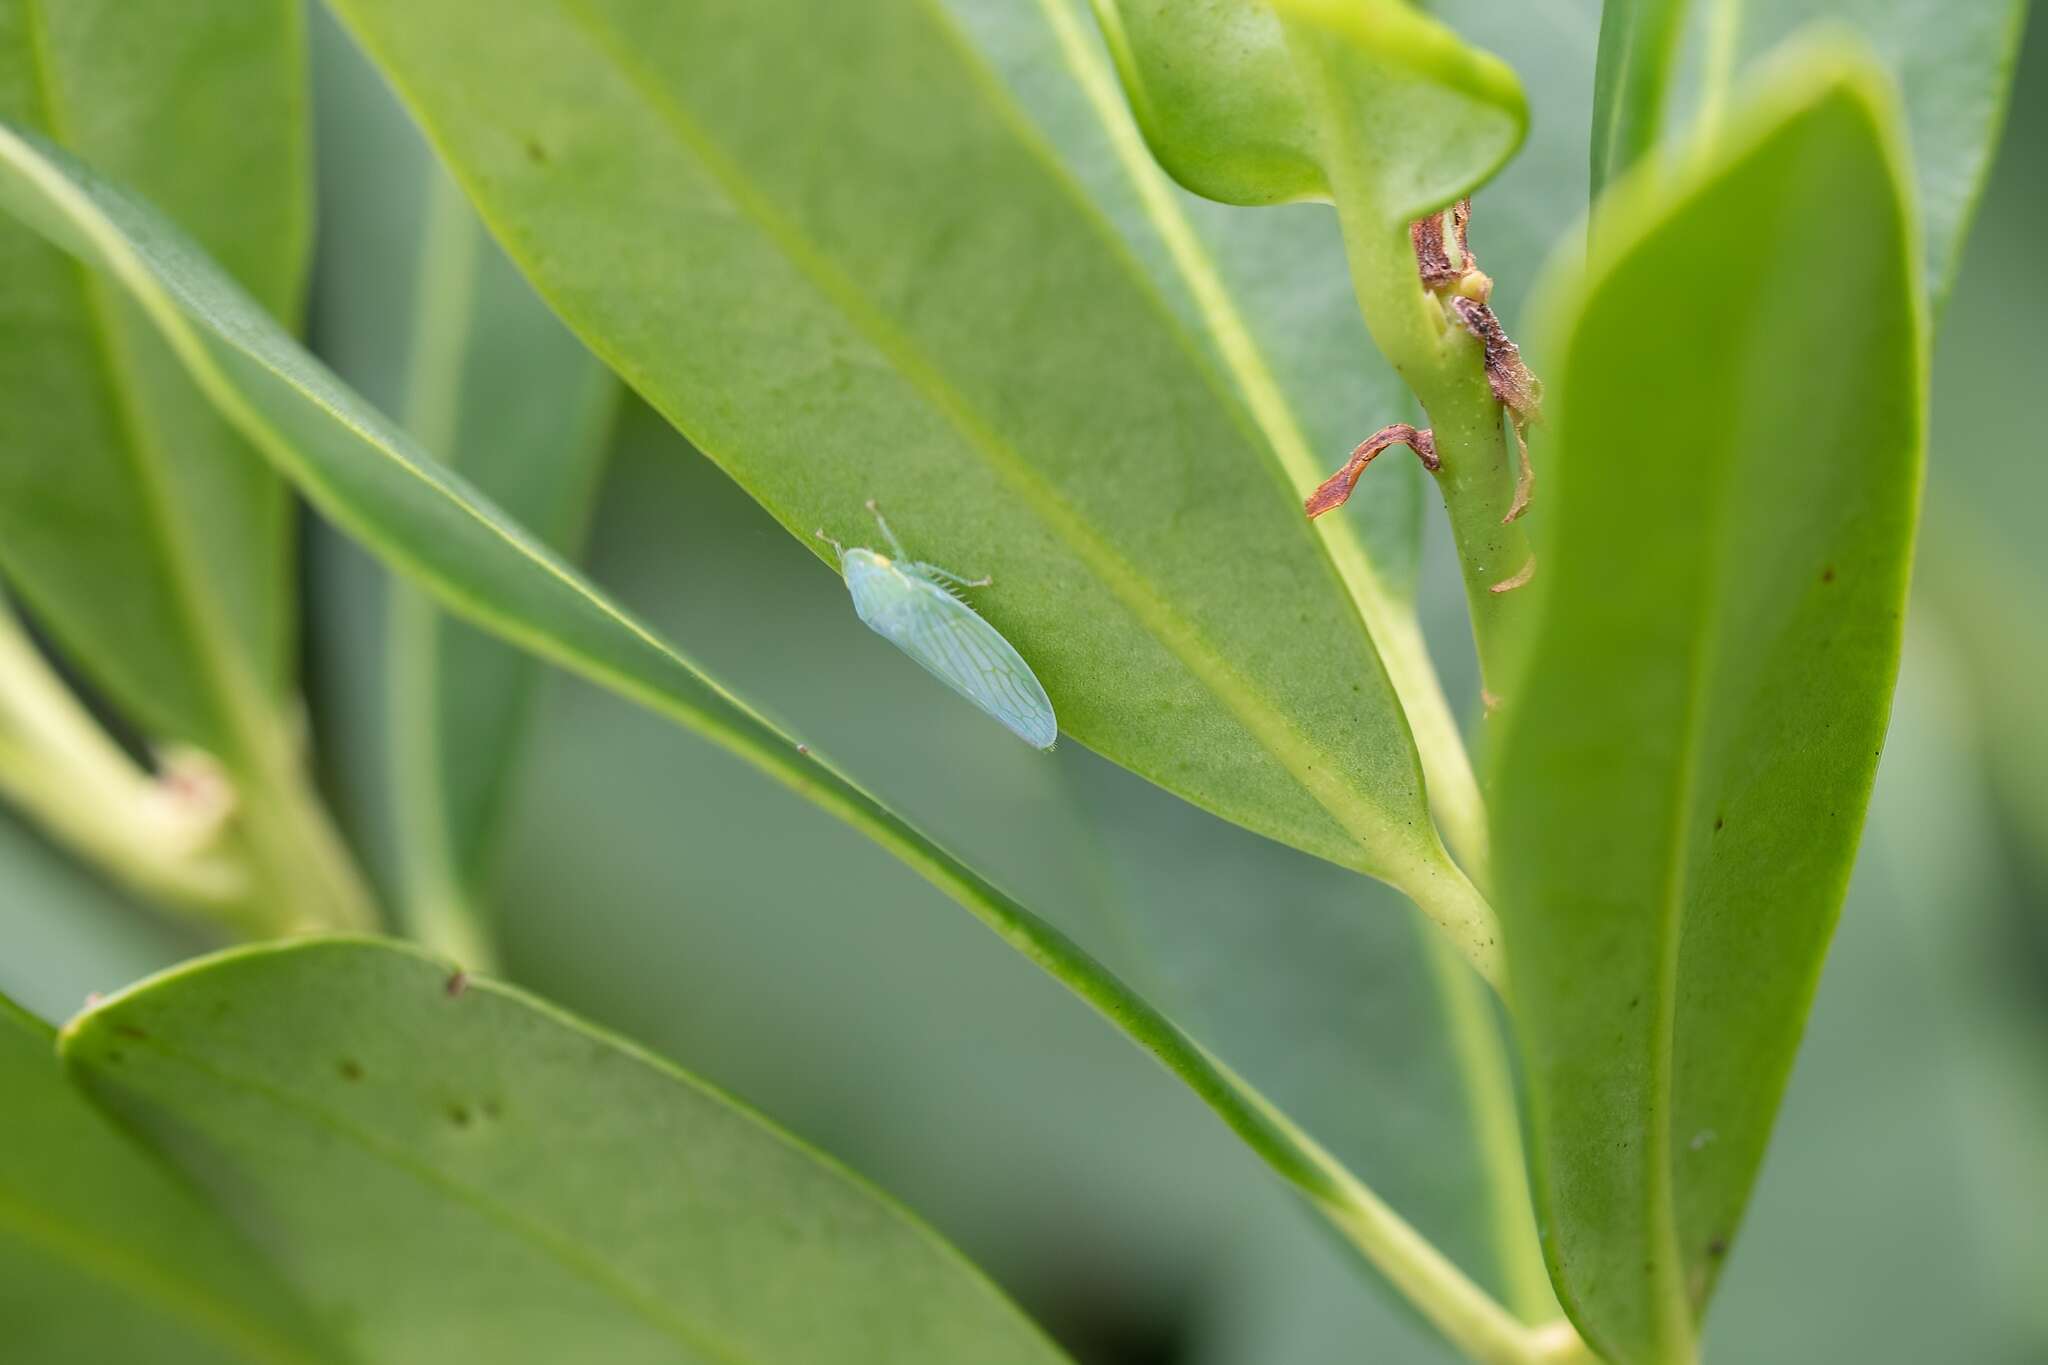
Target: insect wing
954, 645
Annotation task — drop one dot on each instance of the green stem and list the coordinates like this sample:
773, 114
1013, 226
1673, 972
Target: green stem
56, 764
1482, 1063
1445, 366
438, 907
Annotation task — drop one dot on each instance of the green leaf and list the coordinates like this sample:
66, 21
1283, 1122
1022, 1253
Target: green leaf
103, 1254
1408, 117
149, 539
562, 1195
1214, 89
372, 481
973, 348
1639, 42
1338, 1002
151, 543
1953, 64
1227, 93
1254, 285
1686, 753
419, 309
375, 483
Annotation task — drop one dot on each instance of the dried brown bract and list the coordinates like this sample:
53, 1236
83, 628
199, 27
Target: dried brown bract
1336, 490
1513, 385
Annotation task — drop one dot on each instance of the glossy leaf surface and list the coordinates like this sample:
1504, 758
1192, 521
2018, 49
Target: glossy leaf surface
1045, 422
1687, 751
463, 1170
107, 1255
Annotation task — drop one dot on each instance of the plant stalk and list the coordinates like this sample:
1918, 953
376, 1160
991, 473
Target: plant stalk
165, 838
1445, 367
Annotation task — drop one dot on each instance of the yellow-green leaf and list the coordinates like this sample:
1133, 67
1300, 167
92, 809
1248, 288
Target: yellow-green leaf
1686, 752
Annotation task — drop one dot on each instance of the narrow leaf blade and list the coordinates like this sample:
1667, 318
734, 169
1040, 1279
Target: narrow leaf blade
1687, 752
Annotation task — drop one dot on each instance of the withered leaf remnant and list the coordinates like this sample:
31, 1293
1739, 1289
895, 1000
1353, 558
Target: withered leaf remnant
1335, 490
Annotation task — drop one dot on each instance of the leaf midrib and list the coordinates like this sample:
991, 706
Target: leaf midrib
1305, 762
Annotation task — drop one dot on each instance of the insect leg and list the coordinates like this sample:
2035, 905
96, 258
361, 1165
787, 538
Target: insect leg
820, 534
952, 577
894, 543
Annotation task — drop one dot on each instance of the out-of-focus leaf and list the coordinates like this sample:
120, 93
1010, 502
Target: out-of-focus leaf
67, 933
1687, 748
452, 340
1906, 1084
152, 543
517, 405
440, 1167
1639, 41
1952, 59
972, 348
1983, 563
1339, 1003
104, 1254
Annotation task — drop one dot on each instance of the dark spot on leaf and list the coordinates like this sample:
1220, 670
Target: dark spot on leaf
457, 984
114, 1056
458, 1114
536, 153
1827, 575
1718, 1247
351, 1069
492, 1109
130, 1031
1718, 823
1635, 1001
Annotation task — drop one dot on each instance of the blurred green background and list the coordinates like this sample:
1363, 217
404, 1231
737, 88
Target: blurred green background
654, 885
